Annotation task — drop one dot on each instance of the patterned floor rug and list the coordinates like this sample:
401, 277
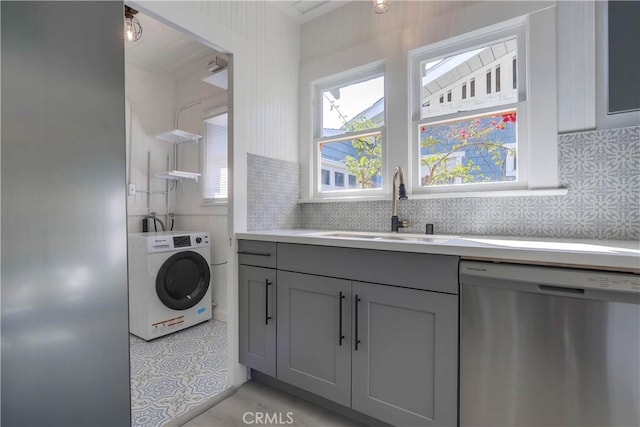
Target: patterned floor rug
174, 374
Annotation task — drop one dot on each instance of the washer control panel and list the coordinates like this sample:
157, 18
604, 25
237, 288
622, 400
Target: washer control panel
177, 240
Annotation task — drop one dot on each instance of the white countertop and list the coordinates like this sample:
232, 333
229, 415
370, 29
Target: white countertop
596, 254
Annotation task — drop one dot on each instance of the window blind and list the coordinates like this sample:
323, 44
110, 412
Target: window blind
215, 184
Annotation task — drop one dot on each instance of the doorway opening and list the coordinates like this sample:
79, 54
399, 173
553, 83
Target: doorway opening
176, 107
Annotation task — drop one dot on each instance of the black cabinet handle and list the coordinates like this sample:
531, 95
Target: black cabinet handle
357, 340
341, 335
267, 283
254, 253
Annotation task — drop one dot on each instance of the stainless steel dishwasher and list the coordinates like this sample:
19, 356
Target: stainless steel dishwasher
545, 346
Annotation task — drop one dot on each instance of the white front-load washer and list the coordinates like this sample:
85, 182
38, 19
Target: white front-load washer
169, 282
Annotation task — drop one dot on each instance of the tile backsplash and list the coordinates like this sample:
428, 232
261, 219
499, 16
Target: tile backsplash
272, 193
601, 170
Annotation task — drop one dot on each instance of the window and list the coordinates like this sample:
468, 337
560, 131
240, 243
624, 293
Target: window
482, 146
216, 179
349, 132
448, 96
441, 99
511, 162
479, 145
326, 177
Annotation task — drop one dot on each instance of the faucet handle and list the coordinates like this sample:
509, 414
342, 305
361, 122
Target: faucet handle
396, 223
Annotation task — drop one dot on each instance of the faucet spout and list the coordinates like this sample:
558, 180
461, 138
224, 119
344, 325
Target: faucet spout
399, 193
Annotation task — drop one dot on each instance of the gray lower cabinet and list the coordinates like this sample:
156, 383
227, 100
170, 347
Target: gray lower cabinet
257, 322
313, 313
404, 368
387, 349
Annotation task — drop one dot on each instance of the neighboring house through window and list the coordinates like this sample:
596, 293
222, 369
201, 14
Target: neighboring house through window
473, 139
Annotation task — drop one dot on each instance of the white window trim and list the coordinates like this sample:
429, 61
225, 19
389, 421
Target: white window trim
208, 201
352, 76
538, 148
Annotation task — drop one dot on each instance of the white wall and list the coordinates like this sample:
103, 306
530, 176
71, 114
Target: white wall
149, 111
353, 36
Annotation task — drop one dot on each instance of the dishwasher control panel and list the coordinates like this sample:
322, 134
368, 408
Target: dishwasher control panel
551, 276
617, 282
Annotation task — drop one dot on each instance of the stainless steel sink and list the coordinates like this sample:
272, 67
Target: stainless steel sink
388, 236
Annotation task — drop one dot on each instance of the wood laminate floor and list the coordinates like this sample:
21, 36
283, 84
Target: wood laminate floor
257, 404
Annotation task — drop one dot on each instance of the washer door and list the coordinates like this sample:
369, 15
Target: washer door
183, 280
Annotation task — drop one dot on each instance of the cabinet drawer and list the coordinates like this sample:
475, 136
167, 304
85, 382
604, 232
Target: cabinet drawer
412, 270
257, 253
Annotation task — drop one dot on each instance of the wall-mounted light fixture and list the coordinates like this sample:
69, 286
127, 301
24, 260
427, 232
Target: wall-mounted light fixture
217, 64
219, 73
132, 27
380, 6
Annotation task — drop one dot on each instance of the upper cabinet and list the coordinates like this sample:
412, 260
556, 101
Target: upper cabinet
623, 33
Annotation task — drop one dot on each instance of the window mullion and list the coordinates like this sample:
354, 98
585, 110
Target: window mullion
350, 135
467, 113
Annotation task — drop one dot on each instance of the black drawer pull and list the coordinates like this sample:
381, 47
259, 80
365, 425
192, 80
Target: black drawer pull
341, 335
254, 253
357, 340
267, 283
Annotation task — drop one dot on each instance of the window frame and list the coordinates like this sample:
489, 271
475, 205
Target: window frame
515, 28
206, 201
349, 77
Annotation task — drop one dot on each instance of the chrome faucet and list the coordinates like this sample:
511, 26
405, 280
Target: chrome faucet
399, 193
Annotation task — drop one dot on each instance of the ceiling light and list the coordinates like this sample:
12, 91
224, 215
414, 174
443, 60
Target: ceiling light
132, 27
380, 6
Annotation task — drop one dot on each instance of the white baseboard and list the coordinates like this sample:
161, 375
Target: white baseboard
220, 315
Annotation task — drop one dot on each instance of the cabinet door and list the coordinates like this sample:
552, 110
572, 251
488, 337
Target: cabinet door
257, 318
311, 353
405, 365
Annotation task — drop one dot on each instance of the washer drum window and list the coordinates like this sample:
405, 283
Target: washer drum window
183, 280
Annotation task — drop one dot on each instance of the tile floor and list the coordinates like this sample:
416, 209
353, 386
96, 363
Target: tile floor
254, 399
177, 373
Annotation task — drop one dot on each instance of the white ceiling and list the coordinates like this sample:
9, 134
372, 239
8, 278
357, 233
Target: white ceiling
165, 50
303, 11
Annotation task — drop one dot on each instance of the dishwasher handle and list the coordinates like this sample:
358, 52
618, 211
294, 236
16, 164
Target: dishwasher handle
561, 290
